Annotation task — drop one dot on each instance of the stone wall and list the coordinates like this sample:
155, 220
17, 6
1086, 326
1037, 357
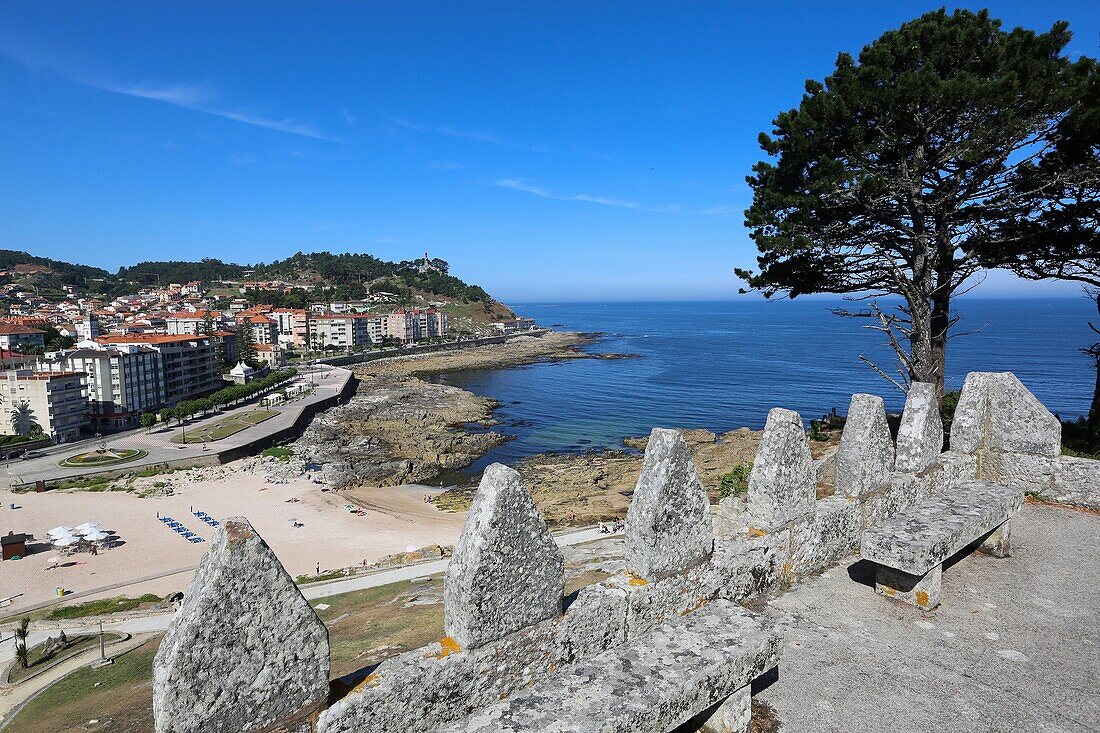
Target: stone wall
508, 626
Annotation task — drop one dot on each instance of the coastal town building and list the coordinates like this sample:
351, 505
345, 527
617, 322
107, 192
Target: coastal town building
292, 324
14, 336
122, 381
264, 329
188, 363
517, 324
86, 326
193, 323
273, 355
342, 331
53, 403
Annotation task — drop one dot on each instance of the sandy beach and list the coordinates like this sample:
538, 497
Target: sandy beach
329, 535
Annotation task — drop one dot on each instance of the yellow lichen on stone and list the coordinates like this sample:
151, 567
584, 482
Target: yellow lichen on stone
371, 680
448, 646
754, 532
635, 579
922, 598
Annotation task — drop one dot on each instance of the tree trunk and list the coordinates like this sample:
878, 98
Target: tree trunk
941, 322
1093, 422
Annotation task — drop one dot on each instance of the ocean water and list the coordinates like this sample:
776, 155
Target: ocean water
723, 365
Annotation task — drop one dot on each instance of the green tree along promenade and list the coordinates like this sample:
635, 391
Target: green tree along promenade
899, 173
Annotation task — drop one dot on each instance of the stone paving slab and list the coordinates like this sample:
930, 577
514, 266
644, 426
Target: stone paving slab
652, 684
922, 537
1015, 646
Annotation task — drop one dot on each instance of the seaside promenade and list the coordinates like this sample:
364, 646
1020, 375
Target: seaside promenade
331, 385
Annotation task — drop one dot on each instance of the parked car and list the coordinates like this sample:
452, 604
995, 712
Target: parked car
32, 454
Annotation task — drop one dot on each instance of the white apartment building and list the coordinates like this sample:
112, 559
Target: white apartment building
264, 330
87, 327
293, 326
189, 364
122, 381
341, 331
54, 402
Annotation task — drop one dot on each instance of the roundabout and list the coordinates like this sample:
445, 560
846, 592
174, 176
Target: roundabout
102, 457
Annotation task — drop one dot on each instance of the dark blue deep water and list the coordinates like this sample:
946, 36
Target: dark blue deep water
723, 365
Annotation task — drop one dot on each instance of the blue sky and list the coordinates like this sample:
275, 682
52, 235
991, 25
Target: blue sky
567, 150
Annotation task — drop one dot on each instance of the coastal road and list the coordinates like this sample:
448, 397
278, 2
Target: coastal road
159, 623
159, 445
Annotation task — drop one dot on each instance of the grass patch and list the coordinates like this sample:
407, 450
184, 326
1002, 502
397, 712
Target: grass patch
120, 695
365, 627
370, 625
39, 659
225, 427
281, 453
101, 607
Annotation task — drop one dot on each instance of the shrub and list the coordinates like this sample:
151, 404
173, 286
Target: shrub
736, 481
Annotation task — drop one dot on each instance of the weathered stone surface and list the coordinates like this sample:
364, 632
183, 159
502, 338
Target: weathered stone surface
920, 435
866, 455
923, 591
782, 482
668, 525
680, 669
1065, 479
507, 571
733, 715
996, 412
731, 516
829, 535
1077, 481
595, 621
245, 651
920, 538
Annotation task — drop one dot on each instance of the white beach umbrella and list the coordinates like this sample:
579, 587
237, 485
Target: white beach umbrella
65, 540
64, 529
96, 536
53, 562
88, 527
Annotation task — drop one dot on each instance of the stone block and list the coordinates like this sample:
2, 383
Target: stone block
650, 685
1076, 481
596, 620
733, 715
245, 652
920, 434
507, 571
668, 524
916, 540
420, 690
782, 482
746, 566
923, 591
831, 534
1023, 470
996, 412
999, 541
866, 455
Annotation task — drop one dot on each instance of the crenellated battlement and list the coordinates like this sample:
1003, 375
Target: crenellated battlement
634, 652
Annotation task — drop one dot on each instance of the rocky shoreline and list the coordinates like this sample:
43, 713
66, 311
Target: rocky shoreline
401, 429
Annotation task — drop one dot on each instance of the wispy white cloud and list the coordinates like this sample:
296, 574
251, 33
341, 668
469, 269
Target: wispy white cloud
443, 165
481, 137
519, 184
196, 97
349, 118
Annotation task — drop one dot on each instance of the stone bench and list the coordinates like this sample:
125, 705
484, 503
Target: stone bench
686, 666
909, 548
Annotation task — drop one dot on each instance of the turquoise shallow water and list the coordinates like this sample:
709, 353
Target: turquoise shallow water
723, 365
